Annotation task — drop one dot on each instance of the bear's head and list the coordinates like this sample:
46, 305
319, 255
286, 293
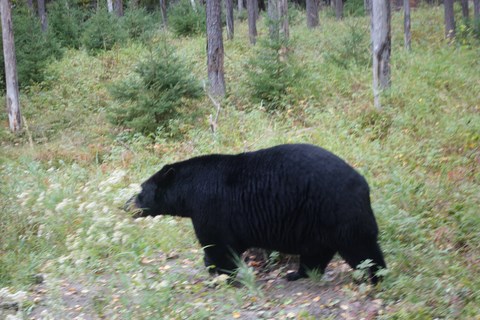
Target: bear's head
155, 197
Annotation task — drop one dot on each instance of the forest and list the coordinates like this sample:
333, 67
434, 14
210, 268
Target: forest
99, 95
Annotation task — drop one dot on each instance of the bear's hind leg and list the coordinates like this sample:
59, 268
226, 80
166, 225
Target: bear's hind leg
307, 263
355, 254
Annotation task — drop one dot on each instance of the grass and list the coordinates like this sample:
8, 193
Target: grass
60, 197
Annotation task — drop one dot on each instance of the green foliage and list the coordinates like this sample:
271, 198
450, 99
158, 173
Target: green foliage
351, 49
468, 33
353, 8
151, 97
271, 73
184, 21
140, 24
34, 49
103, 31
65, 21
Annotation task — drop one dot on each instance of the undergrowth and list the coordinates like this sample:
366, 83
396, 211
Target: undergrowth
65, 179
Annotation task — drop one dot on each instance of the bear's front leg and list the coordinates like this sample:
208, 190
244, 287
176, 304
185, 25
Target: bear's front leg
220, 259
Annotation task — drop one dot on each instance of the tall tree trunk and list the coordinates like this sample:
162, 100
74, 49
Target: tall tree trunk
163, 9
367, 6
381, 42
42, 14
273, 19
215, 48
30, 5
252, 21
449, 19
118, 7
256, 8
110, 6
339, 9
12, 95
283, 15
406, 25
465, 11
476, 10
312, 13
229, 18
240, 6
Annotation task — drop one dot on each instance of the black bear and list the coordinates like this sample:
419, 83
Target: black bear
294, 198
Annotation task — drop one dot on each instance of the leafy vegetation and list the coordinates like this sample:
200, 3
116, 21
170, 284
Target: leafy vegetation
184, 20
61, 193
102, 31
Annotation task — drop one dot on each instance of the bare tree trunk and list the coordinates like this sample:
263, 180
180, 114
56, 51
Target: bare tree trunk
163, 9
229, 18
215, 48
312, 13
30, 5
256, 8
42, 14
476, 10
240, 6
406, 25
110, 6
367, 5
283, 15
252, 21
449, 19
339, 9
465, 11
273, 20
12, 95
194, 5
118, 8
381, 42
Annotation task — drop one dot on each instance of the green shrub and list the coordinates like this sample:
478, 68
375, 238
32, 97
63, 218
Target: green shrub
353, 8
150, 98
102, 31
34, 49
271, 73
185, 21
65, 21
139, 23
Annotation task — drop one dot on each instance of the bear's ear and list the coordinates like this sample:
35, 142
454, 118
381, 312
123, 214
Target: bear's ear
165, 176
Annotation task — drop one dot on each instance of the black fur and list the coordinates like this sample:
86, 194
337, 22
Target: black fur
296, 199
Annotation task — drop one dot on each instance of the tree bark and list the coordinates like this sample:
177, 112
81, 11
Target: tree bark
273, 20
406, 25
312, 13
118, 7
110, 6
449, 19
30, 5
252, 21
476, 10
367, 5
465, 11
42, 14
215, 52
229, 18
163, 9
12, 94
381, 42
339, 9
283, 15
240, 6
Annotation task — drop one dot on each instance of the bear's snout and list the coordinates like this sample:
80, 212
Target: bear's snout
131, 206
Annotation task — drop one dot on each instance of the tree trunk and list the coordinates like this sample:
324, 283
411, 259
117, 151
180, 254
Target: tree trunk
229, 18
381, 42
449, 19
476, 10
118, 8
406, 25
42, 14
367, 6
252, 21
465, 11
283, 15
12, 95
339, 9
133, 4
273, 20
163, 9
240, 6
110, 6
30, 5
312, 13
215, 48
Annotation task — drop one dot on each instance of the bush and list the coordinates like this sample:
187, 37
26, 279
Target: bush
65, 21
102, 31
34, 49
150, 98
184, 21
271, 73
139, 23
